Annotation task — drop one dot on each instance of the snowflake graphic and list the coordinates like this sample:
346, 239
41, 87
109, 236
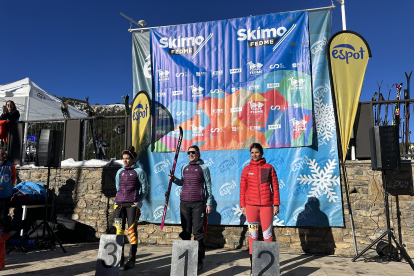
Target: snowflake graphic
278, 222
237, 210
325, 121
322, 180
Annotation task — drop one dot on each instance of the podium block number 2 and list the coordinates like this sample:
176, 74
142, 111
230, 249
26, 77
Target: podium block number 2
265, 259
269, 265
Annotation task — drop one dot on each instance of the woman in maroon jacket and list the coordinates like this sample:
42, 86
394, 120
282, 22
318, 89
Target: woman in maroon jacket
259, 195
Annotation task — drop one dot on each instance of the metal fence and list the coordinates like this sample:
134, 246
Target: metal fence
110, 131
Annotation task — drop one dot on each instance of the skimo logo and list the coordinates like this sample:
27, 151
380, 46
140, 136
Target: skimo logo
318, 46
297, 83
184, 45
255, 68
277, 126
235, 70
160, 166
162, 94
261, 37
176, 93
256, 107
163, 75
298, 64
200, 74
227, 187
196, 91
235, 109
137, 114
199, 111
226, 165
272, 85
277, 66
197, 130
218, 73
218, 110
345, 54
41, 96
255, 127
234, 89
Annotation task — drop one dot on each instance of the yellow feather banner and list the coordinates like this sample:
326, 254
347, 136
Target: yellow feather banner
141, 123
348, 59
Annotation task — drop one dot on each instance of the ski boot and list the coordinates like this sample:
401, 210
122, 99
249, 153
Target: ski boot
132, 257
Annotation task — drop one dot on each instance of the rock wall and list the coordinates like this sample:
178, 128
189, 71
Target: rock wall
87, 196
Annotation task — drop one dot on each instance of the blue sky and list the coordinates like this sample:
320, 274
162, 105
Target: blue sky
82, 48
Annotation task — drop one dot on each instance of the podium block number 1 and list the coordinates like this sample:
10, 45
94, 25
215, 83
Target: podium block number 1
184, 258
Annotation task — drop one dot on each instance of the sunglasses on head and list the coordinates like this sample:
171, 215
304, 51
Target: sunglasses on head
191, 152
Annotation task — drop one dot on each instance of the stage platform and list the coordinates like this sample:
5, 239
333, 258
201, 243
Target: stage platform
155, 260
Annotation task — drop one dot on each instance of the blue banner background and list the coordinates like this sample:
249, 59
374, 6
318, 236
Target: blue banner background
309, 180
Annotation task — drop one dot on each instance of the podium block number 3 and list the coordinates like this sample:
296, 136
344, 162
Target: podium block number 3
112, 254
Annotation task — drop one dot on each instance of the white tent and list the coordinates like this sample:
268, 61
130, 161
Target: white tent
33, 102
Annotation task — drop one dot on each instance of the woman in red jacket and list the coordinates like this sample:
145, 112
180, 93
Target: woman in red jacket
259, 195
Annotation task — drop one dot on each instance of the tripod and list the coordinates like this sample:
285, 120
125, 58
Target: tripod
389, 232
46, 226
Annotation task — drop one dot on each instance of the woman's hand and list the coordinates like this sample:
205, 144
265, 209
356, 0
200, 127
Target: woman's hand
4, 109
243, 209
208, 209
172, 177
275, 210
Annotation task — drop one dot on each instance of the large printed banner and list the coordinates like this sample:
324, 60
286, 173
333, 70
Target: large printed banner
232, 82
309, 180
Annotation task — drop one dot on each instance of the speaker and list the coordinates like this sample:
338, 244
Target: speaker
49, 148
385, 152
364, 120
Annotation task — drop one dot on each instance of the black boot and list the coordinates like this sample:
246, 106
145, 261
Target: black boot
201, 254
121, 262
132, 256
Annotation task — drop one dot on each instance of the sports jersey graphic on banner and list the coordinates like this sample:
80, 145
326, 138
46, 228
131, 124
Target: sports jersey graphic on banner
231, 70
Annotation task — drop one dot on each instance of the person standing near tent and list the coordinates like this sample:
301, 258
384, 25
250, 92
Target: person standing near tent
194, 205
132, 186
7, 181
10, 113
259, 195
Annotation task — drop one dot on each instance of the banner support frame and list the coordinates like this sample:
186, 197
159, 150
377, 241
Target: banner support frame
149, 28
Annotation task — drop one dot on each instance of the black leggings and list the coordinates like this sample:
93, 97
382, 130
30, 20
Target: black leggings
192, 218
132, 213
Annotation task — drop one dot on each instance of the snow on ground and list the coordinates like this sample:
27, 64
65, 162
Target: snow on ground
70, 163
